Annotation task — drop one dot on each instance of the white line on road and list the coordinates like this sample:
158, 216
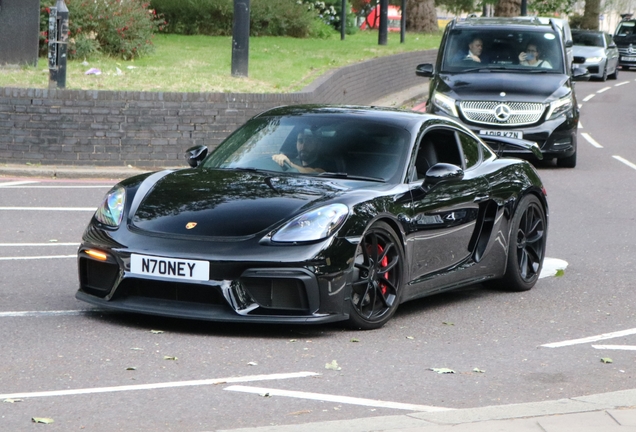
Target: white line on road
604, 89
625, 161
37, 244
587, 98
580, 126
16, 183
50, 208
36, 257
615, 347
19, 314
591, 140
336, 399
621, 83
591, 338
173, 384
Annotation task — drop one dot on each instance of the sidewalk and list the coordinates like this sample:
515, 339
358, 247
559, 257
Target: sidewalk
605, 412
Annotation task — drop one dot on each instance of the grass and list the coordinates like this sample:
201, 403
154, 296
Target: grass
203, 64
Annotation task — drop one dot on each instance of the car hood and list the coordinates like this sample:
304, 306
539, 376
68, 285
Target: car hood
227, 203
528, 87
588, 51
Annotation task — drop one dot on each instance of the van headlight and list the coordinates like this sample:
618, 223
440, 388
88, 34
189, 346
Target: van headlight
560, 106
445, 103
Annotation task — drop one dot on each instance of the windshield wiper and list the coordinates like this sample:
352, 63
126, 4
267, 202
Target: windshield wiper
344, 175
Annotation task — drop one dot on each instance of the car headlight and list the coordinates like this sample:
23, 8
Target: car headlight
445, 103
313, 225
111, 211
593, 59
560, 106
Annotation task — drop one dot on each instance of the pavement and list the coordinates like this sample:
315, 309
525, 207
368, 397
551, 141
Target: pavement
606, 412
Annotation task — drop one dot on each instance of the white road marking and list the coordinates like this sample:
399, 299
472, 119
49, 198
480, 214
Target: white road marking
603, 336
615, 347
591, 140
580, 126
19, 314
50, 208
625, 161
336, 399
588, 97
37, 257
16, 183
621, 83
173, 384
551, 267
604, 89
37, 244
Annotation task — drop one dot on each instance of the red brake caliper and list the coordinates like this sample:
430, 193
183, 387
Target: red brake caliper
383, 263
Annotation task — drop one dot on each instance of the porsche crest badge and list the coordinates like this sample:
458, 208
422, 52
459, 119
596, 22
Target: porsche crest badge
191, 225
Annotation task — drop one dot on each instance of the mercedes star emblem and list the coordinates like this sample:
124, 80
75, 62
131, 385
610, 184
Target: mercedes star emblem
502, 112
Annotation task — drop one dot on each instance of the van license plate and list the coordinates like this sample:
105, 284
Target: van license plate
170, 267
500, 133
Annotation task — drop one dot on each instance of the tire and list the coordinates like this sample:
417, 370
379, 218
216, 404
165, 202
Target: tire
604, 76
378, 278
614, 76
526, 246
567, 162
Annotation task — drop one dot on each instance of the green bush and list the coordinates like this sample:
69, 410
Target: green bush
117, 28
215, 17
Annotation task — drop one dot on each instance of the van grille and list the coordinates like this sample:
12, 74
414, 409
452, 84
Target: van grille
520, 113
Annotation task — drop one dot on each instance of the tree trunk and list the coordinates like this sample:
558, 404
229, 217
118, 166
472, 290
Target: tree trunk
508, 8
591, 14
421, 16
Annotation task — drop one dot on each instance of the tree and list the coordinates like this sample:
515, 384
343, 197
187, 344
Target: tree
508, 8
591, 14
421, 16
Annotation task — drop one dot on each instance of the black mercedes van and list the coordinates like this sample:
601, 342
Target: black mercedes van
508, 77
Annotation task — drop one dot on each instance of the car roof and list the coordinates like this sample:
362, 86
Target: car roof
525, 23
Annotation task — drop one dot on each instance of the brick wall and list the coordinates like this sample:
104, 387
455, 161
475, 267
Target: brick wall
153, 129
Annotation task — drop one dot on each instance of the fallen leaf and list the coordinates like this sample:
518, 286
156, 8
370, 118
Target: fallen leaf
479, 370
559, 273
170, 358
606, 360
293, 340
410, 337
333, 366
252, 364
355, 340
53, 241
13, 400
44, 420
443, 370
299, 412
131, 368
265, 395
137, 349
156, 331
448, 323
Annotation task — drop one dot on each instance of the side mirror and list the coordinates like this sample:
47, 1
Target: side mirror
424, 70
569, 43
194, 155
442, 172
580, 73
578, 59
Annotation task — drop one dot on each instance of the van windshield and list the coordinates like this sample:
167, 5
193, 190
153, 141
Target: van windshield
496, 50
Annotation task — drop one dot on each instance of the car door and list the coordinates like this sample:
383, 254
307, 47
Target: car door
443, 216
611, 52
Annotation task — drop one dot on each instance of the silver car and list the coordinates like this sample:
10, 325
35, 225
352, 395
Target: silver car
600, 52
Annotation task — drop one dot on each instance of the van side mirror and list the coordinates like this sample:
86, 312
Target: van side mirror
424, 70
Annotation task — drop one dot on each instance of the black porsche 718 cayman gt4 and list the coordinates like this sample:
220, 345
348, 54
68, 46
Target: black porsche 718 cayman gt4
314, 214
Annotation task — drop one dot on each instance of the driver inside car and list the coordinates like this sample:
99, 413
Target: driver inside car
307, 159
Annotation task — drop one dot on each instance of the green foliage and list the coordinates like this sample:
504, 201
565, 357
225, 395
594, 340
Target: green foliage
576, 21
121, 29
214, 17
457, 7
551, 7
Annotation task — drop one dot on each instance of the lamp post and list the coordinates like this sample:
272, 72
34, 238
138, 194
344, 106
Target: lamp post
58, 43
384, 24
240, 37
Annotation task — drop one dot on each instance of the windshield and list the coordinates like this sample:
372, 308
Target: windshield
318, 144
496, 50
588, 39
625, 28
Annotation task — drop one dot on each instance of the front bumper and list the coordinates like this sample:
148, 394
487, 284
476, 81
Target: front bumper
291, 285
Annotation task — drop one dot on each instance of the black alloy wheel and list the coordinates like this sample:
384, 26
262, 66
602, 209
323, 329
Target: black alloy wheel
526, 249
377, 278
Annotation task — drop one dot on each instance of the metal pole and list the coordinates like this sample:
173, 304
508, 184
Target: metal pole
343, 19
384, 18
524, 7
58, 43
403, 22
241, 37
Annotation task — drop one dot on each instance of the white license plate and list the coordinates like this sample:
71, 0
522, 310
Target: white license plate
628, 58
169, 267
501, 133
